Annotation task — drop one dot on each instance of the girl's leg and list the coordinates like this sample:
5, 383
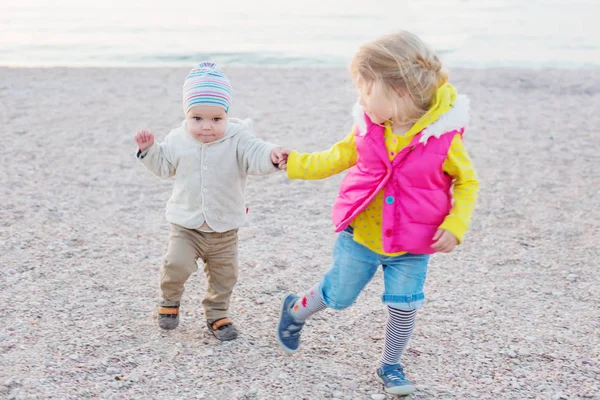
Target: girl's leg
309, 304
398, 331
353, 267
404, 278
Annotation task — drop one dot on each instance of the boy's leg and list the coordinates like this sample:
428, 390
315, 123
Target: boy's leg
221, 268
179, 263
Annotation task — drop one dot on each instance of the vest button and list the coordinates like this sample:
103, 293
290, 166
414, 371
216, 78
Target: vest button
389, 199
388, 232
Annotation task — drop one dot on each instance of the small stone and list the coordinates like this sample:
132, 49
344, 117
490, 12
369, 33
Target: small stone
573, 277
14, 394
113, 371
338, 395
252, 392
171, 376
560, 396
134, 378
208, 353
74, 356
378, 396
352, 385
283, 375
524, 352
260, 300
511, 353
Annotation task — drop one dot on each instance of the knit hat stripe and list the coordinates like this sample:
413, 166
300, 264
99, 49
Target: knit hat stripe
206, 84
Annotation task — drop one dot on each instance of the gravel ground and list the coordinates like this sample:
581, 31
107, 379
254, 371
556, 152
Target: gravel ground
513, 314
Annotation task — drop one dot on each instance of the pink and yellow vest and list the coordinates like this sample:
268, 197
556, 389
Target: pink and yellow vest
417, 192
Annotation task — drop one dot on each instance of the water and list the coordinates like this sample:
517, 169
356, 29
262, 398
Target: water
484, 33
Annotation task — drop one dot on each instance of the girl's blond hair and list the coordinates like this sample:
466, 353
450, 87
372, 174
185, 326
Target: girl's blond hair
402, 63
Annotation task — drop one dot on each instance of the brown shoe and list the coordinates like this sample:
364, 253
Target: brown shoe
168, 317
223, 329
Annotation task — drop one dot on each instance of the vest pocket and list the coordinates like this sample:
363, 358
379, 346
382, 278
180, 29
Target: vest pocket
426, 206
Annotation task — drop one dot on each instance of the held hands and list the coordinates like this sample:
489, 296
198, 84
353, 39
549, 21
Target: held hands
444, 241
144, 139
279, 157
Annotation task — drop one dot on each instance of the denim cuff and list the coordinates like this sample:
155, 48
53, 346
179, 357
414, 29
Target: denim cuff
405, 302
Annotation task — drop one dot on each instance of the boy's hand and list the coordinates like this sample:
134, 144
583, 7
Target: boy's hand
444, 241
279, 156
144, 139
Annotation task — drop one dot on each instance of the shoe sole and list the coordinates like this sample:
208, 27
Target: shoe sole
224, 338
398, 390
283, 346
169, 327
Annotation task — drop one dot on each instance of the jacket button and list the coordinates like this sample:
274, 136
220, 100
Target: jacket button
388, 232
389, 199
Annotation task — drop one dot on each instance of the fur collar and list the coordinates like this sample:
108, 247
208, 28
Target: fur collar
455, 119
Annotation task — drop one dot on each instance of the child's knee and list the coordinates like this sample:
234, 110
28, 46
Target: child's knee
178, 266
338, 301
338, 306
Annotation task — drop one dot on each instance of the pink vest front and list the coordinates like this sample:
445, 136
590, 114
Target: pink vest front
417, 195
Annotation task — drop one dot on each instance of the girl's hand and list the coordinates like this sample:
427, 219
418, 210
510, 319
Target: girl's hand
144, 139
444, 241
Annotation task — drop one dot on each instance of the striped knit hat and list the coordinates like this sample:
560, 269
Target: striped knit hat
206, 84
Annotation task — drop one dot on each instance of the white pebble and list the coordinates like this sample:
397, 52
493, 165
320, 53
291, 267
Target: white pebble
112, 371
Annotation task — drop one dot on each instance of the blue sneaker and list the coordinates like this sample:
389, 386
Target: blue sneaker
288, 329
394, 381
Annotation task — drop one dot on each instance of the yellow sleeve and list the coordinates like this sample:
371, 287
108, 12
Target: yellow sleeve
465, 187
323, 164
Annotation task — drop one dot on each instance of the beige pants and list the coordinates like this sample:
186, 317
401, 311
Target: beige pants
218, 251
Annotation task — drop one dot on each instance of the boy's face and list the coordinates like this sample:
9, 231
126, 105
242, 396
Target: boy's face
206, 123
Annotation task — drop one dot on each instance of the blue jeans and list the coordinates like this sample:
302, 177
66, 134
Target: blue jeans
354, 265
